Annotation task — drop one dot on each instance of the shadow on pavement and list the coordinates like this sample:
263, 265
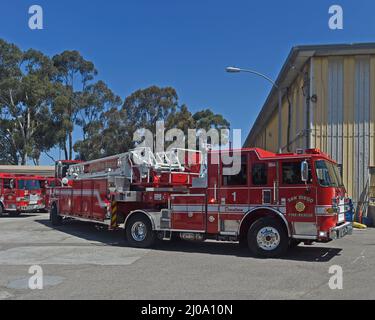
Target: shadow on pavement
301, 253
21, 216
99, 233
89, 231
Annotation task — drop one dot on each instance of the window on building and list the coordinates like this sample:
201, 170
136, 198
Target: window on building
292, 173
239, 179
259, 174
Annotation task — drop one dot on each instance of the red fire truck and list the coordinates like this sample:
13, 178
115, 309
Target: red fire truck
49, 184
19, 194
275, 200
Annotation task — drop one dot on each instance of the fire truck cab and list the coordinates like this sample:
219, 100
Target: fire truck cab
272, 202
19, 194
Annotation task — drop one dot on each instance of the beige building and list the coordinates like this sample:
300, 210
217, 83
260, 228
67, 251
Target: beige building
44, 171
328, 103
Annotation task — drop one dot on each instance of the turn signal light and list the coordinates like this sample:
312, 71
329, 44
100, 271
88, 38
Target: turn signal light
330, 210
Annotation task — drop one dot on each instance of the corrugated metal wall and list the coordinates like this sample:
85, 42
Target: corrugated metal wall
343, 116
335, 109
361, 124
267, 139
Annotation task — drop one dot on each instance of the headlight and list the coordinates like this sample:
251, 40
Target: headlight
322, 234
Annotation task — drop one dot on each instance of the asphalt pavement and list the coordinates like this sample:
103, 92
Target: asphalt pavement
84, 261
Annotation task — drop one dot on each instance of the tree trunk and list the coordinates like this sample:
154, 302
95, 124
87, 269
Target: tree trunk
23, 159
66, 151
70, 145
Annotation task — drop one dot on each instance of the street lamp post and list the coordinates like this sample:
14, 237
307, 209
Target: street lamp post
237, 70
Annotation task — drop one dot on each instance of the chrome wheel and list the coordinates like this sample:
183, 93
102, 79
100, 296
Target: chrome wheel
139, 231
268, 238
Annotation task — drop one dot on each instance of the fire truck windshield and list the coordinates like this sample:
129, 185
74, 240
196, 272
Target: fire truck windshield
28, 184
328, 174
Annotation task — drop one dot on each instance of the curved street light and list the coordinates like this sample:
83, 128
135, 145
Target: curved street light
237, 70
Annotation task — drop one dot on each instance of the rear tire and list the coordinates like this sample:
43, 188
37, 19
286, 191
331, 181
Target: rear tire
267, 238
54, 217
138, 231
1, 210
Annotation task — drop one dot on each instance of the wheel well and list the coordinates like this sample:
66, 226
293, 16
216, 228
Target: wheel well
139, 213
253, 216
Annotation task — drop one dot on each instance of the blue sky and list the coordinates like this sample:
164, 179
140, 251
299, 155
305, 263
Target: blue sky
187, 44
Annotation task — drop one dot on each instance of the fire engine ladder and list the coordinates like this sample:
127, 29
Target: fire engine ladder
141, 158
77, 171
167, 161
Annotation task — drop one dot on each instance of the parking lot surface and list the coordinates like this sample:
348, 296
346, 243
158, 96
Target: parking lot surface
84, 261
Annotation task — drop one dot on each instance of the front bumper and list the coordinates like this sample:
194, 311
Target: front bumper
32, 207
341, 231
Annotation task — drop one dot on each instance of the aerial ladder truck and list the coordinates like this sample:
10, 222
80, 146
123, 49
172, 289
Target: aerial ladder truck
274, 202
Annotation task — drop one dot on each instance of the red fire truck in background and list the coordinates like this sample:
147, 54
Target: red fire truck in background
48, 185
275, 200
19, 194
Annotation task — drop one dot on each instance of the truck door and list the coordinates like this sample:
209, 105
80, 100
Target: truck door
264, 183
213, 185
234, 195
298, 197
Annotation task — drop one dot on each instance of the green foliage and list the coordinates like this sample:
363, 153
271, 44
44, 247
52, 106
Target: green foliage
72, 71
44, 100
207, 120
112, 133
25, 94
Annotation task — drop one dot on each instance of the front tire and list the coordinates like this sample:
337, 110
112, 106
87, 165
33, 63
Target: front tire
139, 233
267, 238
54, 217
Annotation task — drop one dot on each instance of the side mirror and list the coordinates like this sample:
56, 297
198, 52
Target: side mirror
59, 170
304, 171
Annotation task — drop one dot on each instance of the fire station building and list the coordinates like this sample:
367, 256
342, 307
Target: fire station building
328, 102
